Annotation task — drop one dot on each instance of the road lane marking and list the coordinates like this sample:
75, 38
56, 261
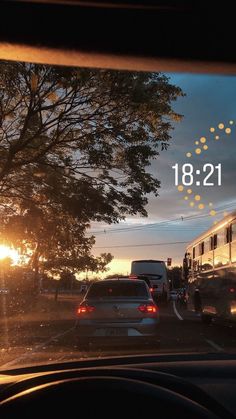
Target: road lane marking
28, 354
176, 312
214, 345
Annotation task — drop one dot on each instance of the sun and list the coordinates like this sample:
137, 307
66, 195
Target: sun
8, 252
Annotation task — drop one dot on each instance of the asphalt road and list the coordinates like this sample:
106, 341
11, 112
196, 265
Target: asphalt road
46, 334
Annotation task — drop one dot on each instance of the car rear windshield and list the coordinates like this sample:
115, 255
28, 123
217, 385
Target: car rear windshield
135, 289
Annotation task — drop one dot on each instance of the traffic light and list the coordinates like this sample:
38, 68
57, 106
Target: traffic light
169, 260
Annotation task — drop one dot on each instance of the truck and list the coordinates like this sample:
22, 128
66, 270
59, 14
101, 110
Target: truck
154, 273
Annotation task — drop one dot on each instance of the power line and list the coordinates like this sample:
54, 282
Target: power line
164, 229
164, 223
142, 245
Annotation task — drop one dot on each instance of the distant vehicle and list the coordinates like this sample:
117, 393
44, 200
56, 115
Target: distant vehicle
119, 277
4, 291
154, 272
173, 295
121, 310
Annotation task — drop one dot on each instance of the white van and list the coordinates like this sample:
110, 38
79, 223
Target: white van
154, 272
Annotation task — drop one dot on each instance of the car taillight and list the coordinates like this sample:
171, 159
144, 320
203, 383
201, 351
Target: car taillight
85, 309
232, 289
151, 289
148, 308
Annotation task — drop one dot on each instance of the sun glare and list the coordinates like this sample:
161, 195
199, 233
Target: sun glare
7, 252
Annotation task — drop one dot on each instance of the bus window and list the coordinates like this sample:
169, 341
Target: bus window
214, 241
196, 265
197, 252
233, 243
207, 257
201, 248
221, 253
228, 234
221, 237
188, 260
207, 245
207, 261
233, 231
221, 256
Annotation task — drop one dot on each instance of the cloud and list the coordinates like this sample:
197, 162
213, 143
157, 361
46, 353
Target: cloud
209, 100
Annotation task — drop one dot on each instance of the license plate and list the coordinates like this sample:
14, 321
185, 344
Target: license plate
112, 331
116, 332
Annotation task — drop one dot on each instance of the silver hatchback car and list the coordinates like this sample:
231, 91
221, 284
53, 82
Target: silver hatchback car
117, 311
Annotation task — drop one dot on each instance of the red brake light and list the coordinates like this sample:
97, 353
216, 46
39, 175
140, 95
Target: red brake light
84, 309
148, 308
232, 290
151, 289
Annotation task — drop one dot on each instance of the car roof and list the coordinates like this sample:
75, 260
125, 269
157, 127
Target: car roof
117, 277
111, 34
148, 261
122, 280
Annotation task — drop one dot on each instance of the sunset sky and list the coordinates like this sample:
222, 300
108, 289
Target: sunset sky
209, 111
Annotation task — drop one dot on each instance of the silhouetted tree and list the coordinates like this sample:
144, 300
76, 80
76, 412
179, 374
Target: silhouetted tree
75, 147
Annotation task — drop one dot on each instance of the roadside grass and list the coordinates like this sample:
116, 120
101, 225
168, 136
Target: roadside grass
38, 307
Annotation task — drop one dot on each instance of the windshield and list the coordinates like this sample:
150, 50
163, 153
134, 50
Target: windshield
116, 290
148, 267
109, 178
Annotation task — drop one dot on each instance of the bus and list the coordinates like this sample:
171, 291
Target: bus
154, 272
209, 268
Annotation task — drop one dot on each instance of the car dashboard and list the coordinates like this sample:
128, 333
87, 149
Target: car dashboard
200, 385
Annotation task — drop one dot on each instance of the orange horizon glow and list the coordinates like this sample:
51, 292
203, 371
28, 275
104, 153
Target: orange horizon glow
123, 266
118, 266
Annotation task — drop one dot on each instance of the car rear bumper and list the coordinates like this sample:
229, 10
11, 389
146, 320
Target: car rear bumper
117, 342
98, 330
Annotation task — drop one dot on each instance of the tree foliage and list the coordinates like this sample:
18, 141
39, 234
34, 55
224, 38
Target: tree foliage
75, 147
